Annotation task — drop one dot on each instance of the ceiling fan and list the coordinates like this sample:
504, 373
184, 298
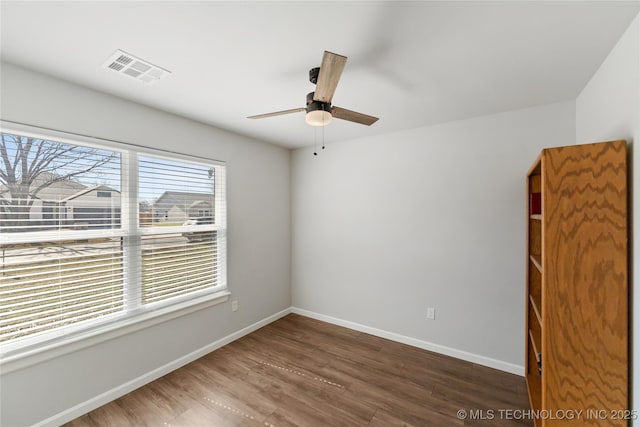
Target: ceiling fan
319, 109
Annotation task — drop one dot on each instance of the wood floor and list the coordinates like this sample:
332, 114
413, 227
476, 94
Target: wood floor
302, 372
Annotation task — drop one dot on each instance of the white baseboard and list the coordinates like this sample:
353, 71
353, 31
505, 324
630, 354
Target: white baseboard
437, 348
121, 390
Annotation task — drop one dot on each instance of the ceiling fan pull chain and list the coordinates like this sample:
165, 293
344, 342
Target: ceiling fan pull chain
315, 141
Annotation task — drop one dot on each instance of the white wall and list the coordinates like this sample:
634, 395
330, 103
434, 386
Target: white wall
258, 242
387, 226
609, 108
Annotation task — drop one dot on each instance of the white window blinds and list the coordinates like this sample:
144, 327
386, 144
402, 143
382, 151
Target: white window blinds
183, 227
57, 284
91, 235
172, 267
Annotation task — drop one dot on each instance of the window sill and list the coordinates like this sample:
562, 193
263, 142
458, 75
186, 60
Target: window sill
25, 357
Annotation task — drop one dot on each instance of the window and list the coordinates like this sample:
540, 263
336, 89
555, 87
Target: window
94, 235
178, 256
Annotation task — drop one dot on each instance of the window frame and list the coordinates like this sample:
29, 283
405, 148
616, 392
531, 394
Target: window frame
44, 345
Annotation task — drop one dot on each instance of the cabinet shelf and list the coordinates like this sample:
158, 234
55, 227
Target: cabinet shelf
537, 261
536, 217
536, 352
534, 306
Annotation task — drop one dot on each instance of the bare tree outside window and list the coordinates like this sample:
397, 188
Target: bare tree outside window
30, 167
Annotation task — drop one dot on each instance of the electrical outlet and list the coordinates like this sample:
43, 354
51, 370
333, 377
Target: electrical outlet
234, 305
431, 313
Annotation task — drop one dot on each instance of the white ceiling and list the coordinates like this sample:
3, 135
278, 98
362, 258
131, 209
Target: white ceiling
410, 63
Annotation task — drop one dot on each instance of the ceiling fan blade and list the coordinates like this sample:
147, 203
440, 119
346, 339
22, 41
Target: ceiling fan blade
277, 113
330, 72
352, 116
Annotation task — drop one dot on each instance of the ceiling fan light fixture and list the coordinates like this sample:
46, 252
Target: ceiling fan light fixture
318, 118
318, 113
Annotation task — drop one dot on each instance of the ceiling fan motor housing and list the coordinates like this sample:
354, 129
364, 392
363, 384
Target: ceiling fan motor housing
313, 105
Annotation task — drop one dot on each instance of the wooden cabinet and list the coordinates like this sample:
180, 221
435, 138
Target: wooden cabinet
576, 353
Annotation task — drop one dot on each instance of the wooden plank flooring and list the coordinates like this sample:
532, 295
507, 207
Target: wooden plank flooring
302, 372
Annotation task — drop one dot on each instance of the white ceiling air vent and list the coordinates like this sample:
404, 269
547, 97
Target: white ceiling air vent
125, 63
